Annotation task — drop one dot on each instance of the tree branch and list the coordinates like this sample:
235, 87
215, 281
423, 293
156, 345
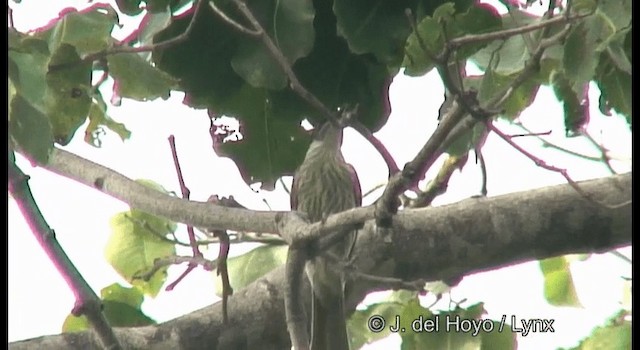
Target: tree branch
436, 243
199, 214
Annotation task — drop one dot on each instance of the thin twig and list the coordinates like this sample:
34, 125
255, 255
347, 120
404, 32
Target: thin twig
621, 256
379, 146
543, 133
9, 17
603, 151
87, 302
539, 162
373, 189
391, 282
507, 33
547, 143
223, 272
186, 193
160, 263
237, 26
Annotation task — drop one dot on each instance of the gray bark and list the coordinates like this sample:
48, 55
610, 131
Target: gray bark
439, 243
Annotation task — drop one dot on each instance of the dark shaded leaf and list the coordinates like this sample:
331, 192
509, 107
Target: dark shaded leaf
121, 307
129, 7
269, 118
575, 115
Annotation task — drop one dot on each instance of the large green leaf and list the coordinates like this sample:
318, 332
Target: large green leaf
89, 30
378, 27
290, 24
136, 241
28, 65
137, 79
250, 266
267, 147
558, 283
574, 112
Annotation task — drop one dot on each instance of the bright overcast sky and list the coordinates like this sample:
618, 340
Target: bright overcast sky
39, 300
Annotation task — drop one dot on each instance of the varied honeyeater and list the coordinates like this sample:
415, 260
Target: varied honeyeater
325, 184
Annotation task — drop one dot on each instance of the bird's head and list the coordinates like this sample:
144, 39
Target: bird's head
327, 139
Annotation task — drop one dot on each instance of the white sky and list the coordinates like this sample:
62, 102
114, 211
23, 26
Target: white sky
39, 300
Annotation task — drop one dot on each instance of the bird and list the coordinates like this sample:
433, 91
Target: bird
325, 184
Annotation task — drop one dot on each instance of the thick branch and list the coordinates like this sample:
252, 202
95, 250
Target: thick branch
199, 214
433, 243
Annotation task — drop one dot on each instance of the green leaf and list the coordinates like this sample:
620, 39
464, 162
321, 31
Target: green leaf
618, 53
574, 112
121, 307
496, 340
616, 13
615, 88
135, 242
616, 334
380, 27
493, 84
290, 24
250, 266
75, 324
478, 19
361, 322
508, 57
28, 65
152, 24
67, 98
558, 283
30, 129
137, 79
89, 30
429, 39
97, 118
155, 6
426, 42
466, 141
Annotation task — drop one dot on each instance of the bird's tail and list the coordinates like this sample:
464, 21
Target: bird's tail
329, 328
